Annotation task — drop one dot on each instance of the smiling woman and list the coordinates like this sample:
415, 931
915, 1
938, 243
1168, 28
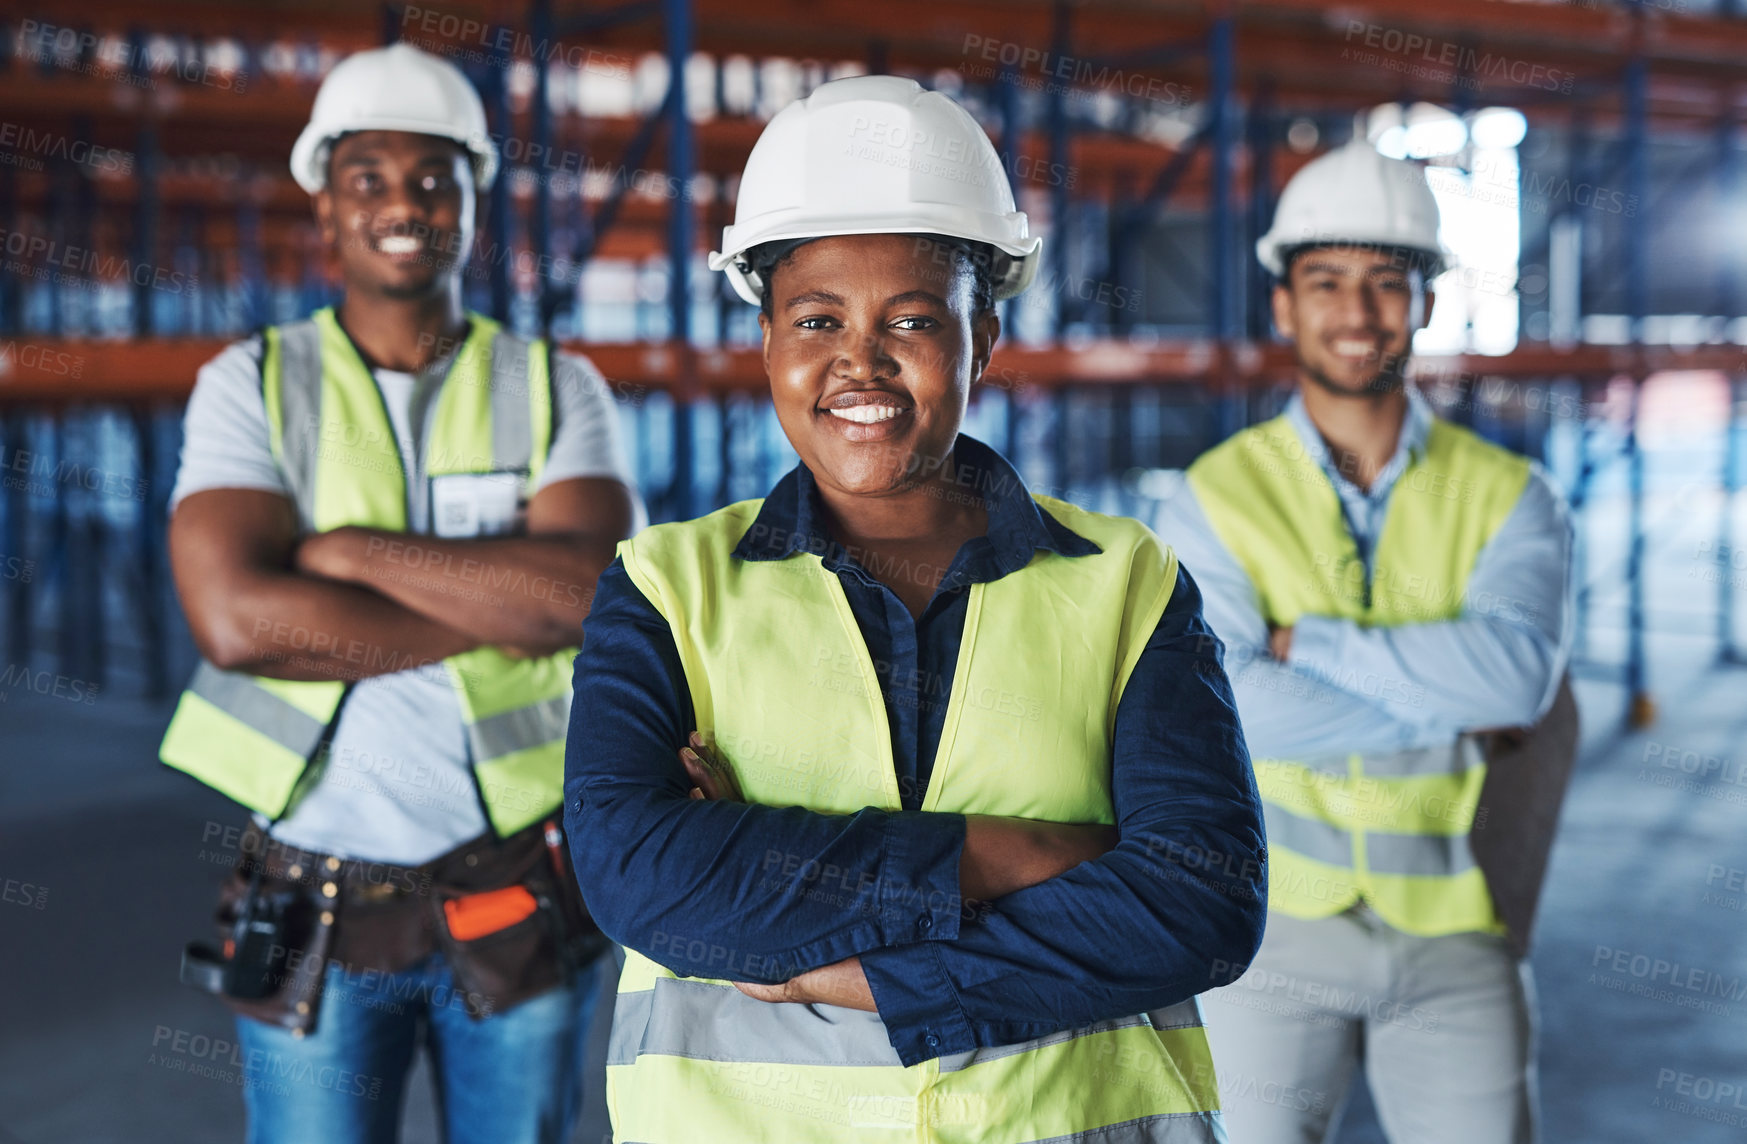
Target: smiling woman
883, 781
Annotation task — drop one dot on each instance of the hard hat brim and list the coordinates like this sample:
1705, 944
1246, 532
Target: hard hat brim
736, 241
309, 154
1272, 249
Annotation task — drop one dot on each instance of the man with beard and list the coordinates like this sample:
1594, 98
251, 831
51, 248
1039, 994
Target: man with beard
1389, 587
388, 525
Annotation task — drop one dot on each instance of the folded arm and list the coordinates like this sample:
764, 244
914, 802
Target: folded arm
528, 591
707, 888
1174, 909
1496, 665
232, 552
1287, 713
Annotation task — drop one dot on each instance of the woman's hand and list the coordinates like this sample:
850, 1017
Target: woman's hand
712, 778
841, 983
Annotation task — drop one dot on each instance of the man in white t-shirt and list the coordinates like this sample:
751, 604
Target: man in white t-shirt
386, 532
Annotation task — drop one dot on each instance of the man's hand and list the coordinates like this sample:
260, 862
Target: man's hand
329, 554
712, 778
1280, 642
841, 983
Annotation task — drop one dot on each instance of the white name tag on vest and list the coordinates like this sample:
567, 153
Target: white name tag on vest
475, 504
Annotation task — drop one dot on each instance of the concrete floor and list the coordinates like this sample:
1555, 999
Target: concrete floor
118, 851
111, 847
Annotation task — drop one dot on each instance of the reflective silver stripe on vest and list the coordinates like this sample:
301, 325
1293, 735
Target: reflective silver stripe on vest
1166, 1128
1310, 837
240, 697
512, 415
1183, 1015
712, 1022
1450, 758
300, 412
522, 728
1418, 855
957, 1062
720, 1023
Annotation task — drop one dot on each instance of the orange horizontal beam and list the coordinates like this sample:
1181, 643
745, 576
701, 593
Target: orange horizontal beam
56, 371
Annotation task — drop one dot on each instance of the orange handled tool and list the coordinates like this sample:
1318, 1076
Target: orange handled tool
477, 915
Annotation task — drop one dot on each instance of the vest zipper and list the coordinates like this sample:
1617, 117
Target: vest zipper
406, 513
321, 744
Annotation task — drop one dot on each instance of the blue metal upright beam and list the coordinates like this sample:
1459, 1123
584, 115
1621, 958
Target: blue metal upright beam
540, 232
1727, 652
1257, 323
1222, 145
1222, 135
498, 208
145, 215
1729, 307
681, 161
1056, 120
1637, 271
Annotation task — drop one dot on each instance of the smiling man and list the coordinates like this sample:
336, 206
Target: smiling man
387, 528
1390, 586
898, 783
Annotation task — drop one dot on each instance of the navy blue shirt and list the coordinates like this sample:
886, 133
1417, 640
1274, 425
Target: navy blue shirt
710, 889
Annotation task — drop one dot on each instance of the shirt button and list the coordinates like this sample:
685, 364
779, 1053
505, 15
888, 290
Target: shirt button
932, 1040
925, 923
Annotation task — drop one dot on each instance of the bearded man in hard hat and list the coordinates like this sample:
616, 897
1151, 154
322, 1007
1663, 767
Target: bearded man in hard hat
387, 527
1392, 586
953, 752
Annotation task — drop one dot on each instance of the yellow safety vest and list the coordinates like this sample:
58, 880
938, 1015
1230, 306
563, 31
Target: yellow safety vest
253, 738
781, 679
1390, 829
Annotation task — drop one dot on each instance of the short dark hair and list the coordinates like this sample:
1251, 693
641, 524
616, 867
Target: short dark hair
983, 261
1403, 257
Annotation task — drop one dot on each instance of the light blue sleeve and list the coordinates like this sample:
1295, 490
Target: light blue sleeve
1499, 664
1286, 713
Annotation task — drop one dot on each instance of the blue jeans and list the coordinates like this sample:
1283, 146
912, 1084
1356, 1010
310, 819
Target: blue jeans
513, 1078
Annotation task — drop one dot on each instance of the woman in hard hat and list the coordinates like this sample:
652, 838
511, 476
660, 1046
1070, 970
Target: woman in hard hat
967, 819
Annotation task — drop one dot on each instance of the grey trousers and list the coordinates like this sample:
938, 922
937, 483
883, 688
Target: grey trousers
1443, 1025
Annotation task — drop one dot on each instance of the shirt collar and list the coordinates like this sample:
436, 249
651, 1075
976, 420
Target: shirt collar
791, 520
1416, 427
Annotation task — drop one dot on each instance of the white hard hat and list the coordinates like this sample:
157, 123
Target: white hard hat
876, 154
1354, 195
397, 88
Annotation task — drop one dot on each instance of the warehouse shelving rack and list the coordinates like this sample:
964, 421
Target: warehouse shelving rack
1240, 73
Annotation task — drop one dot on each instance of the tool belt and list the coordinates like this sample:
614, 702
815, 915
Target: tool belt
505, 914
